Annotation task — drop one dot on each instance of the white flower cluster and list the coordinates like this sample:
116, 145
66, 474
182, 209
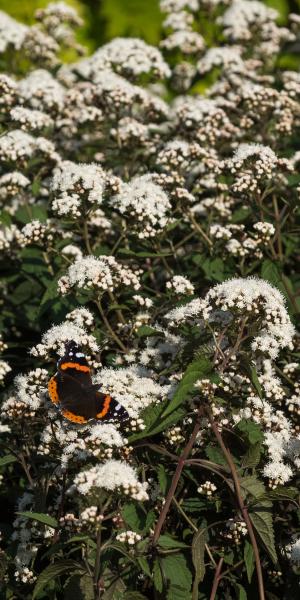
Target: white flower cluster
55, 339
40, 90
35, 232
207, 489
129, 537
4, 369
236, 530
73, 183
131, 386
253, 164
19, 147
112, 475
90, 516
255, 299
144, 204
180, 285
174, 435
12, 33
103, 274
29, 119
130, 57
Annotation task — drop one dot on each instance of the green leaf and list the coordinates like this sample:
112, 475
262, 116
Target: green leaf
146, 331
115, 591
176, 572
215, 455
162, 478
79, 588
251, 430
198, 550
134, 517
53, 571
250, 370
249, 559
157, 576
51, 292
142, 254
167, 541
193, 505
7, 460
198, 369
155, 422
241, 592
175, 592
252, 456
214, 269
134, 596
144, 565
41, 517
261, 514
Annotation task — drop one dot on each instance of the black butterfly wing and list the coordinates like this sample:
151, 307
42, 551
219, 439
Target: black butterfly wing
75, 398
74, 363
109, 410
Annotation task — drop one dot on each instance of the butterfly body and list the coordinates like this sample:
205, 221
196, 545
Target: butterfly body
71, 389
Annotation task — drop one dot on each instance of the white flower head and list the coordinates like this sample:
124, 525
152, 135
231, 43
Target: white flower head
112, 475
57, 336
103, 273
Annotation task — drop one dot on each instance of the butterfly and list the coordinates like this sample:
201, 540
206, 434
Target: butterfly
71, 389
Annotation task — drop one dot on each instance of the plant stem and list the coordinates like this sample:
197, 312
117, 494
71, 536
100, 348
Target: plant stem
241, 504
97, 563
216, 580
118, 311
176, 477
278, 230
86, 237
200, 230
108, 327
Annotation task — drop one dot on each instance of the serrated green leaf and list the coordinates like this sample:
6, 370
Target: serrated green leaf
134, 596
252, 456
142, 254
251, 430
134, 517
79, 588
41, 517
155, 422
167, 541
146, 331
157, 576
175, 592
241, 592
115, 591
198, 550
53, 571
176, 572
144, 565
260, 514
250, 370
198, 369
249, 560
7, 460
162, 478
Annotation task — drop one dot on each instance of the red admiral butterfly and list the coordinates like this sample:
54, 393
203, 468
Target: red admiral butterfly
72, 389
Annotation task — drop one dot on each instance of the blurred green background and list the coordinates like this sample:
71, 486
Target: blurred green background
105, 19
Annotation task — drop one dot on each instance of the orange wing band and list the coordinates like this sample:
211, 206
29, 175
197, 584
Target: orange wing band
77, 366
74, 418
105, 409
52, 389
